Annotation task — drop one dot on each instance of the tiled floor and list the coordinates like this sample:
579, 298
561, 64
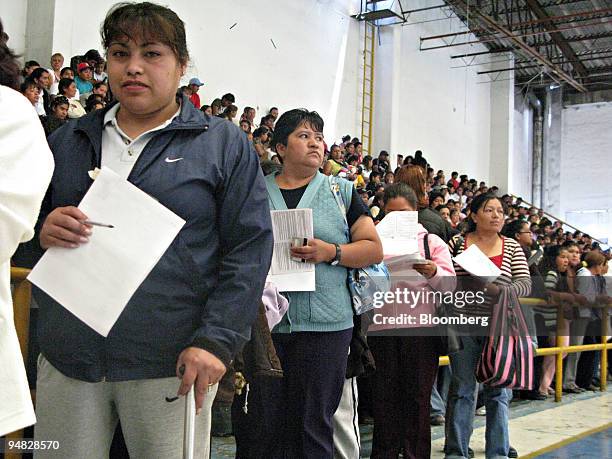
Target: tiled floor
597, 445
534, 425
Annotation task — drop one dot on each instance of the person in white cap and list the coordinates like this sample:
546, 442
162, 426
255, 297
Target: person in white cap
194, 85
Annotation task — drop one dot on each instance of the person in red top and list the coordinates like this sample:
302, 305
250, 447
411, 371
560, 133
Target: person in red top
194, 85
453, 181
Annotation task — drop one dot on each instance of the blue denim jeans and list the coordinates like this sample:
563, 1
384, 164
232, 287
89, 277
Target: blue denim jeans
439, 393
462, 405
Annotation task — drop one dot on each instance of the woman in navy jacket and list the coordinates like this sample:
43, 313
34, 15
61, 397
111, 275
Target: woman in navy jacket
194, 310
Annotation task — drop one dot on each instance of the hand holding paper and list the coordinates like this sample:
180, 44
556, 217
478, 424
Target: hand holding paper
427, 268
65, 227
315, 251
404, 263
96, 277
286, 273
478, 264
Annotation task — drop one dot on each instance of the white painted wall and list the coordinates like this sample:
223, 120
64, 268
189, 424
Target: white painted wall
442, 111
521, 160
314, 65
586, 168
13, 14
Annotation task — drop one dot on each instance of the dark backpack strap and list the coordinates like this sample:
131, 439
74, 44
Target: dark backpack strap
426, 246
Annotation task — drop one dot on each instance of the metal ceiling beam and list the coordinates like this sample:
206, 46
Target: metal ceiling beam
482, 53
437, 7
557, 37
494, 37
600, 71
524, 67
490, 23
595, 86
584, 56
587, 16
575, 38
595, 72
583, 14
548, 4
514, 9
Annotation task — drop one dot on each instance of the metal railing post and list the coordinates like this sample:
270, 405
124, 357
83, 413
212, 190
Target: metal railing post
604, 352
559, 355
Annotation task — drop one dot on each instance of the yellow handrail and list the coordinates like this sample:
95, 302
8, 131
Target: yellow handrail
572, 349
19, 274
22, 295
21, 307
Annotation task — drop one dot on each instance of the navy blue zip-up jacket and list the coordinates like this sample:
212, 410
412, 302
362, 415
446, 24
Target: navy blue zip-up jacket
206, 288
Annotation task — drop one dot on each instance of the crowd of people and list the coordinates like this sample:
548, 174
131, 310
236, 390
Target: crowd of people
61, 93
88, 384
566, 268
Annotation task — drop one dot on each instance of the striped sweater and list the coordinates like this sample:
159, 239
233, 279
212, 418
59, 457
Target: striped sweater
557, 283
514, 273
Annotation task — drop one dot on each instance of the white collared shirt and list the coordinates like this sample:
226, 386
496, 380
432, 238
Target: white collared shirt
54, 89
119, 152
40, 105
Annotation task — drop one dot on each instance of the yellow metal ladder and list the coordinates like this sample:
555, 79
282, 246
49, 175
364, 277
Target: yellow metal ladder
367, 105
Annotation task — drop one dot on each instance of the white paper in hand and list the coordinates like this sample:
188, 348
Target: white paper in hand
287, 274
96, 280
477, 263
398, 233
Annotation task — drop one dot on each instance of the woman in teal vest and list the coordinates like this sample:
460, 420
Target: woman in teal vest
312, 340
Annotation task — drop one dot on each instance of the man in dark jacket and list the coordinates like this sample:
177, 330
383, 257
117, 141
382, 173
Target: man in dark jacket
194, 311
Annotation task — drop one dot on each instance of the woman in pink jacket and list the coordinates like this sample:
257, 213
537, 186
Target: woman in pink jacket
405, 345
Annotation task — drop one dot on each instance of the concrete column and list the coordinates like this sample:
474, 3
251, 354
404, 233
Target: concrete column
502, 125
383, 90
521, 159
536, 190
39, 31
396, 83
551, 151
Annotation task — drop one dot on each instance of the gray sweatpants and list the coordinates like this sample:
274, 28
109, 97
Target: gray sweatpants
82, 416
